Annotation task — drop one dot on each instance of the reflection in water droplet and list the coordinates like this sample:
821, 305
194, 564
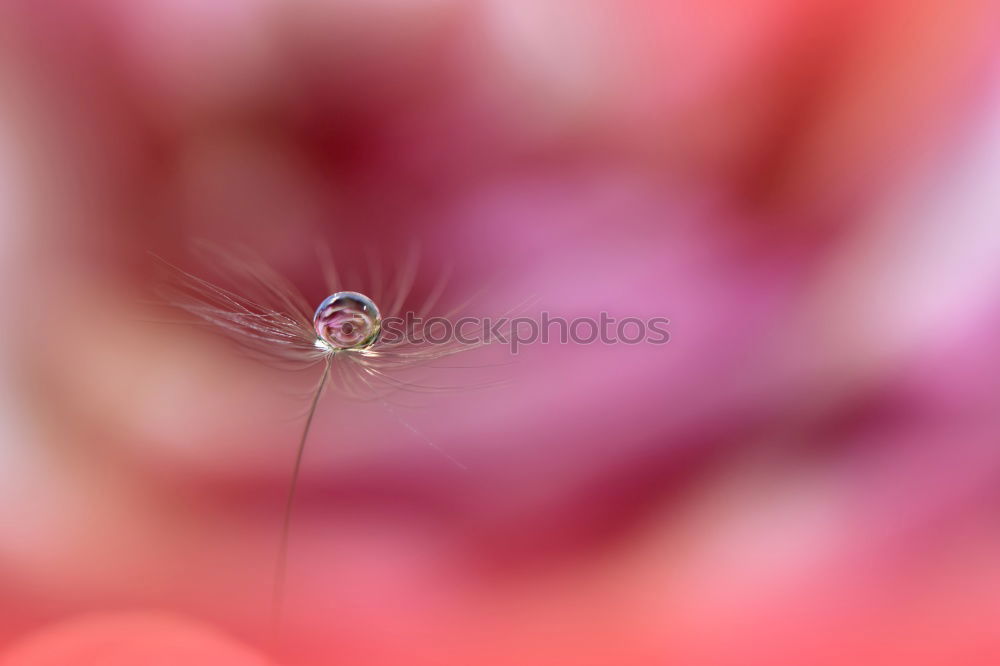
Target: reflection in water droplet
348, 320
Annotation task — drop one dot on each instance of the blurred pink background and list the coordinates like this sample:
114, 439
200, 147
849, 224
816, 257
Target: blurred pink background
808, 473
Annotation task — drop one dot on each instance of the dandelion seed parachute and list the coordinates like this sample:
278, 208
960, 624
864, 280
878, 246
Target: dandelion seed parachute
270, 319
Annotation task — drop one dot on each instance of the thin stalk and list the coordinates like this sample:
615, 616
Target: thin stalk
278, 591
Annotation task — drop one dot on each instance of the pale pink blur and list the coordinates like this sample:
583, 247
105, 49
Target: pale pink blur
807, 473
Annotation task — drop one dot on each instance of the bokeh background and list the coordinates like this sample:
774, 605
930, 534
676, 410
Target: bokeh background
808, 473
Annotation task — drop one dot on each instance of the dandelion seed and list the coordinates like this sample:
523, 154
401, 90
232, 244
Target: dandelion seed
271, 320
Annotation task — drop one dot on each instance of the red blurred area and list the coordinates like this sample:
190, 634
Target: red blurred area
805, 474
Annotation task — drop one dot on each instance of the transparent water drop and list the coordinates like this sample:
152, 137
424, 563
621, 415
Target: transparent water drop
348, 320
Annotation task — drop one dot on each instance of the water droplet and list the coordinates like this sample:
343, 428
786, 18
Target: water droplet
348, 320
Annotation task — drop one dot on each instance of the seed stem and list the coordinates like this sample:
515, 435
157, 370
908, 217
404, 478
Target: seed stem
278, 590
